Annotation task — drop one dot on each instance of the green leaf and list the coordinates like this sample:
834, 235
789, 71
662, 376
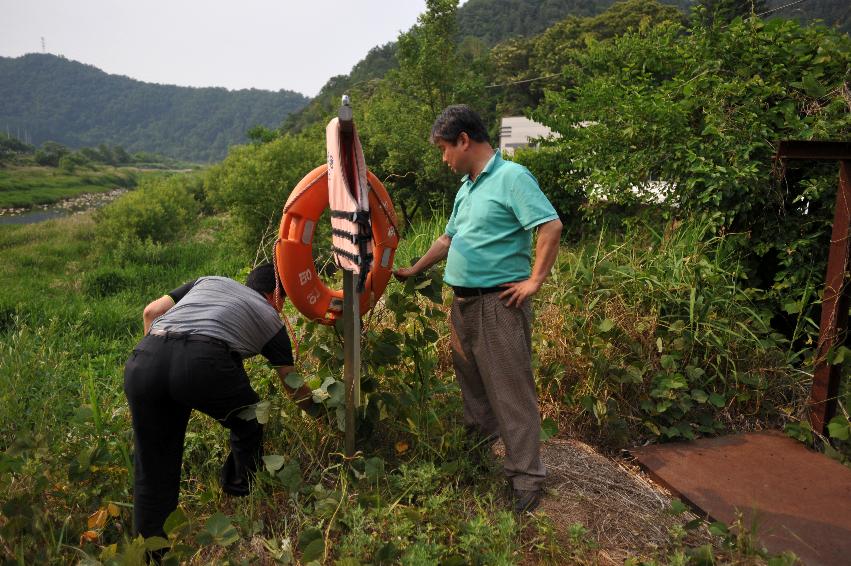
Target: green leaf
813, 87
221, 530
659, 344
156, 543
294, 380
549, 428
290, 476
677, 507
273, 462
839, 428
717, 400
694, 373
699, 395
719, 529
307, 536
259, 411
386, 554
175, 522
606, 325
374, 468
313, 551
337, 392
839, 355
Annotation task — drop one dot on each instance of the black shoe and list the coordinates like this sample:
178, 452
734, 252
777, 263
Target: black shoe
526, 500
236, 488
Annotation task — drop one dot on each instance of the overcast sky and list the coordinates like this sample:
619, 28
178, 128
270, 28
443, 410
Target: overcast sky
266, 44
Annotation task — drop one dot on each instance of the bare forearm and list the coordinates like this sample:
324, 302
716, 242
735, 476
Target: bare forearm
156, 309
546, 250
437, 252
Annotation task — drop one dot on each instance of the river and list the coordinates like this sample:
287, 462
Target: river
67, 207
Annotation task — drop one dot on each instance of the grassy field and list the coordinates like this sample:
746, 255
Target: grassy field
70, 312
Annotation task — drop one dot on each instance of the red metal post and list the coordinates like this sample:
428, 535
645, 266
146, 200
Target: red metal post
834, 309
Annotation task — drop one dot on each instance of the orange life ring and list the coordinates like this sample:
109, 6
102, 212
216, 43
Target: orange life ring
294, 249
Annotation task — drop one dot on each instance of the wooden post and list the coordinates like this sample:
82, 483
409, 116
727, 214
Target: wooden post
351, 355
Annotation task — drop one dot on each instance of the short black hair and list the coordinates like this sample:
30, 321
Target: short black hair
262, 279
456, 119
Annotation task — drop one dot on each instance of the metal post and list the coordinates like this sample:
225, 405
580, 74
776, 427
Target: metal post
834, 309
835, 300
351, 355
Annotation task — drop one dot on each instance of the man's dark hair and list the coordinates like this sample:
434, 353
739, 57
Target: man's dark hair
456, 119
262, 279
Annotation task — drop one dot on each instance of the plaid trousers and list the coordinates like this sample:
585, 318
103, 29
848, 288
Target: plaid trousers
492, 356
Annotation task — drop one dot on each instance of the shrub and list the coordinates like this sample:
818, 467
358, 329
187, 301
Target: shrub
160, 210
253, 182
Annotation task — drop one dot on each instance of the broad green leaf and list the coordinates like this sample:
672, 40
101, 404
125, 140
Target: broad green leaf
273, 462
717, 400
258, 411
294, 380
221, 530
699, 395
678, 507
314, 551
156, 543
290, 476
549, 428
839, 428
175, 522
374, 468
719, 529
261, 411
813, 87
606, 325
336, 392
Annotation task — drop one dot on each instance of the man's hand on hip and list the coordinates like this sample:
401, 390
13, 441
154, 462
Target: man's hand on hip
518, 292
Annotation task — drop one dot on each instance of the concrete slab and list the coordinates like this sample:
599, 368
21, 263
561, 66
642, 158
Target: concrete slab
798, 499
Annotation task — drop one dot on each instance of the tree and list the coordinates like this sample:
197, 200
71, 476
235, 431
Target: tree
702, 111
50, 153
712, 12
396, 121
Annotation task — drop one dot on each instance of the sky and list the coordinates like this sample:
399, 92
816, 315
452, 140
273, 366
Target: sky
266, 44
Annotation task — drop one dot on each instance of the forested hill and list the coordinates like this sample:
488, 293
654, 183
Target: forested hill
46, 97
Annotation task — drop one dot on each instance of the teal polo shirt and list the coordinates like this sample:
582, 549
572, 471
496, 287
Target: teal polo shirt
491, 226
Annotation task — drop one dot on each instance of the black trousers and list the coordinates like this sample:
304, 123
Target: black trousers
164, 379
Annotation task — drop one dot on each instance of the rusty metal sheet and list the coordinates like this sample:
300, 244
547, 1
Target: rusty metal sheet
799, 500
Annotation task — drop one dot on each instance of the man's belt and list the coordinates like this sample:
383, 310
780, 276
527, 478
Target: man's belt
171, 335
467, 292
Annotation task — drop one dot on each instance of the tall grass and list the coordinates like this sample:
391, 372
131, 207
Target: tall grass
655, 334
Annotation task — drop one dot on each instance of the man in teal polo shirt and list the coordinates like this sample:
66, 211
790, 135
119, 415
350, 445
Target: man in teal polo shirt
487, 245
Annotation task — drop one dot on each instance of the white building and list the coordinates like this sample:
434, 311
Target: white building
519, 131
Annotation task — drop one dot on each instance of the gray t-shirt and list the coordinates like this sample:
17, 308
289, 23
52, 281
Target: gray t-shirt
221, 308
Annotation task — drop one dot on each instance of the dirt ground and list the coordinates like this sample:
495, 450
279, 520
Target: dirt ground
624, 514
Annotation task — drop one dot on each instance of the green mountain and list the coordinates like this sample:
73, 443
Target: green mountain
45, 97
